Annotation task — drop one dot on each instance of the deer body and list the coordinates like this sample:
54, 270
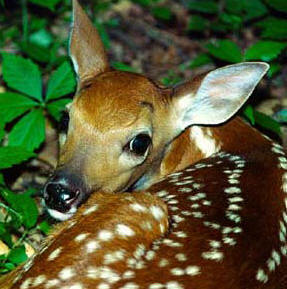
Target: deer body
211, 210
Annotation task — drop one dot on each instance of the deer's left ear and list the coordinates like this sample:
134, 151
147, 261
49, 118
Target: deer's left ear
86, 48
218, 96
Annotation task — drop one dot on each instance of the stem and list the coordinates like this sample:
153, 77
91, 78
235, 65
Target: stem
25, 20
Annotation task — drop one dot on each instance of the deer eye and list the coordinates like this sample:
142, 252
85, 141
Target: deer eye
139, 144
64, 122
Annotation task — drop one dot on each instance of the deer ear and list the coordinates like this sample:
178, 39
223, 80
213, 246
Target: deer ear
86, 48
218, 96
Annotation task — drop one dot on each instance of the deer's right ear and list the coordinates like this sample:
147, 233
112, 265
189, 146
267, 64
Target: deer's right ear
218, 96
86, 48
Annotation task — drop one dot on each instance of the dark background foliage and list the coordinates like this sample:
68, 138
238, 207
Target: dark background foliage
169, 41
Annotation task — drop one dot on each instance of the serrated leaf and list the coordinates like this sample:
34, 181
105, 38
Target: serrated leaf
56, 108
197, 23
29, 132
274, 28
280, 5
50, 4
23, 75
264, 50
274, 69
24, 205
61, 82
225, 50
14, 104
17, 255
205, 6
10, 156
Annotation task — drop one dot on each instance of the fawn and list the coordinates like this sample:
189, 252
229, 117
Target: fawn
171, 200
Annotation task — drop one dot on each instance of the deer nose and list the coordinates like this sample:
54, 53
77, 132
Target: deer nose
60, 196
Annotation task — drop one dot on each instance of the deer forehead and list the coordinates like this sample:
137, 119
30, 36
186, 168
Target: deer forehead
104, 106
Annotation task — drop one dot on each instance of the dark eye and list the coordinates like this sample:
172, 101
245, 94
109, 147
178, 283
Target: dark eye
139, 144
64, 122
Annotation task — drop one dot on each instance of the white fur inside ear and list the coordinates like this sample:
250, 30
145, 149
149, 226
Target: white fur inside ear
221, 94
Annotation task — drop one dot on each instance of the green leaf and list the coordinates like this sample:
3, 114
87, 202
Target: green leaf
274, 28
56, 108
200, 60
61, 82
197, 23
23, 75
17, 255
36, 52
225, 50
162, 13
29, 132
122, 66
232, 22
274, 69
10, 156
42, 38
45, 227
267, 122
254, 9
13, 105
24, 205
50, 4
248, 112
264, 50
234, 6
205, 6
280, 5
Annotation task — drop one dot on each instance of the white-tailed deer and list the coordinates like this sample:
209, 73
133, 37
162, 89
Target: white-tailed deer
213, 213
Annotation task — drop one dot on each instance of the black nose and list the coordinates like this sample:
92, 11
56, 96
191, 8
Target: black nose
59, 195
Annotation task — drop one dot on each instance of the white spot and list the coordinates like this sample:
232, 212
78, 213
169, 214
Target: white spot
52, 283
156, 286
92, 246
276, 257
192, 270
235, 200
229, 241
185, 190
180, 234
76, 286
163, 262
26, 284
206, 143
114, 257
214, 244
138, 207
173, 285
103, 286
271, 265
124, 230
90, 210
261, 276
177, 271
130, 285
55, 254
146, 226
157, 212
105, 235
81, 237
232, 190
150, 255
66, 273
234, 207
129, 274
181, 257
39, 280
213, 255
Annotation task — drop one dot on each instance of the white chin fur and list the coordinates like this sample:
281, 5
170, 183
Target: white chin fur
62, 216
